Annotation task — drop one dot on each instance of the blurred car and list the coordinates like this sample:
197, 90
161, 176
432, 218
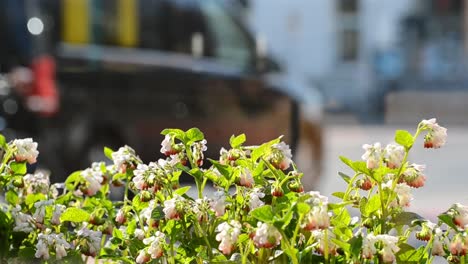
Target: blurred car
128, 69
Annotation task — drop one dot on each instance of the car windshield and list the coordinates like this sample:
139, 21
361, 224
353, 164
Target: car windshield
231, 42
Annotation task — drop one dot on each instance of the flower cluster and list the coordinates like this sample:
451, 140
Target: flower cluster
257, 213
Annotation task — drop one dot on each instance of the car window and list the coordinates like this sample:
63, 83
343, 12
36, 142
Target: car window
202, 28
231, 42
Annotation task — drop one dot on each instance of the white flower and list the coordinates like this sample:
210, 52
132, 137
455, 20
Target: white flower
120, 217
246, 178
266, 236
94, 178
142, 257
26, 150
60, 246
166, 146
317, 218
156, 244
394, 155
145, 214
368, 246
319, 235
219, 203
228, 233
139, 233
170, 207
60, 251
93, 240
373, 155
438, 243
37, 183
437, 135
389, 247
42, 248
197, 151
139, 179
254, 201
284, 158
403, 191
58, 210
316, 199
23, 222
413, 175
47, 240
123, 157
461, 215
40, 210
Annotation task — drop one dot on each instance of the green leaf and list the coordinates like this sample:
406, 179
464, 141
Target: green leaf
108, 152
347, 161
158, 213
404, 138
355, 245
76, 215
194, 134
361, 166
70, 181
138, 204
117, 233
447, 219
19, 168
339, 194
263, 149
225, 170
3, 143
408, 254
183, 190
179, 134
303, 208
34, 197
263, 213
27, 253
12, 197
372, 205
345, 177
406, 218
237, 141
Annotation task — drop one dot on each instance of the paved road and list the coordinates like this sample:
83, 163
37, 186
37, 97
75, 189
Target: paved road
447, 167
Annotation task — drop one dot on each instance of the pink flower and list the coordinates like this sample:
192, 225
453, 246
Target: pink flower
228, 233
413, 175
120, 217
266, 236
317, 218
460, 215
394, 155
246, 179
219, 203
281, 156
26, 150
436, 136
156, 244
142, 257
373, 155
170, 207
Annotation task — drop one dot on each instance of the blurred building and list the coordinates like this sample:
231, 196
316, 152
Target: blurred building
356, 51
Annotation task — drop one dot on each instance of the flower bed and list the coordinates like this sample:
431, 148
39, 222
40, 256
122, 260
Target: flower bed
259, 212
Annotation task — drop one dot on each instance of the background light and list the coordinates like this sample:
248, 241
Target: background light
35, 26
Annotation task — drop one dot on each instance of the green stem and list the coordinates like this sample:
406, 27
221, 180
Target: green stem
126, 194
325, 242
296, 231
202, 234
384, 209
350, 186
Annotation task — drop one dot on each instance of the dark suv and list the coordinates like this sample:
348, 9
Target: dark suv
128, 69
